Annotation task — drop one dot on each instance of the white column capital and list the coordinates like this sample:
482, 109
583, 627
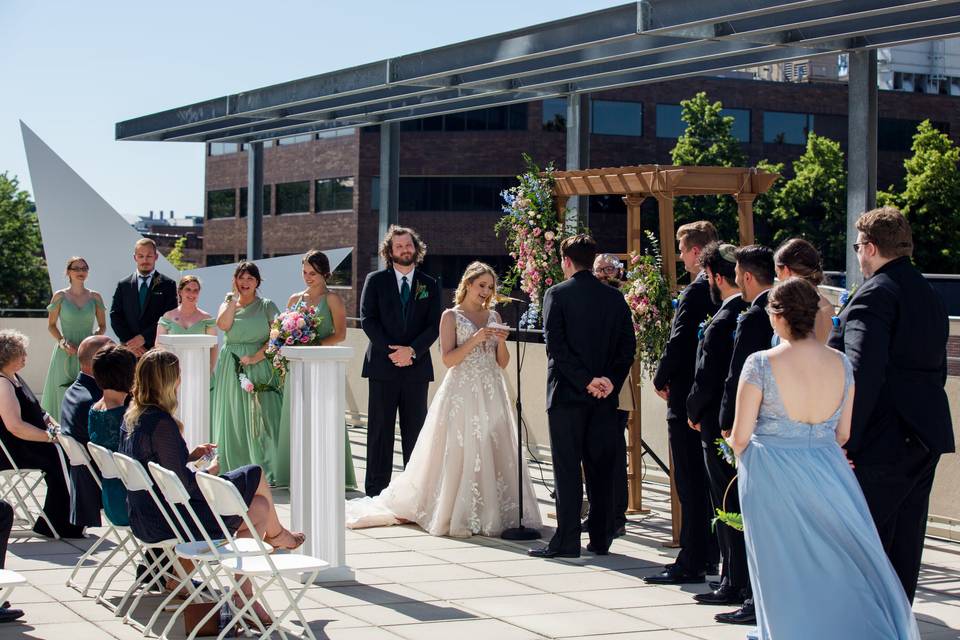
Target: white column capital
193, 397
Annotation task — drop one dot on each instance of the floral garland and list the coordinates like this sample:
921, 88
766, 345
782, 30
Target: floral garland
648, 296
533, 230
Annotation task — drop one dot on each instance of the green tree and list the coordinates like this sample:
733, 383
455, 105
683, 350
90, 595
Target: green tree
813, 203
707, 141
24, 283
931, 200
176, 255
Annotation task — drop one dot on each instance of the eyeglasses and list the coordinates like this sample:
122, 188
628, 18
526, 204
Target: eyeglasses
79, 269
857, 245
610, 270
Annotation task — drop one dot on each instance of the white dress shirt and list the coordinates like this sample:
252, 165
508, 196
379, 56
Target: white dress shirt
408, 276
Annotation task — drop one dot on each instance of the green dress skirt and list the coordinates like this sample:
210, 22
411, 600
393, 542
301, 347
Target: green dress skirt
283, 444
76, 323
244, 425
197, 328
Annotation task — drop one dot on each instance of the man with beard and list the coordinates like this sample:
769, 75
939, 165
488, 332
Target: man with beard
400, 312
703, 413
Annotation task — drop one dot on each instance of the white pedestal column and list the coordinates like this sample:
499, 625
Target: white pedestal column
317, 401
194, 394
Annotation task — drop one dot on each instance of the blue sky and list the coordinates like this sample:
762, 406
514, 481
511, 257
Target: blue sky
71, 70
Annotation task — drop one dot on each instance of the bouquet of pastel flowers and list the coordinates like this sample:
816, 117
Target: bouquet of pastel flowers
295, 327
651, 308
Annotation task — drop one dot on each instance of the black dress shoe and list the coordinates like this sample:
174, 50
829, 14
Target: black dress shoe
620, 531
715, 584
547, 552
591, 549
9, 615
744, 615
725, 595
672, 574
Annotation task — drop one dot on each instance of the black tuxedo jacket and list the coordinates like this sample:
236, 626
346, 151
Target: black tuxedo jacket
77, 400
894, 331
680, 356
713, 363
588, 334
381, 316
754, 333
125, 316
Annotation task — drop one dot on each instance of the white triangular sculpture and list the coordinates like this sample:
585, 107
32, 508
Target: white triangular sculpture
76, 221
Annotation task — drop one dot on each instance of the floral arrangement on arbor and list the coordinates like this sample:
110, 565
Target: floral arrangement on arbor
651, 306
295, 327
533, 230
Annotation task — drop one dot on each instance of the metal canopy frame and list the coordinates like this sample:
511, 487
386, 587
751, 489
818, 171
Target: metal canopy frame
638, 43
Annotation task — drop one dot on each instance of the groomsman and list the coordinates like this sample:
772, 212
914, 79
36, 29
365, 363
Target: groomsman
703, 413
894, 331
140, 300
400, 311
672, 381
755, 274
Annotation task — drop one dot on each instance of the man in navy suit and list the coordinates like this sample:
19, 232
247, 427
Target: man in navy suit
141, 299
894, 331
400, 311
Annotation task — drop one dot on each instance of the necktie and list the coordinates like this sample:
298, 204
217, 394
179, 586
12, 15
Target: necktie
404, 293
142, 293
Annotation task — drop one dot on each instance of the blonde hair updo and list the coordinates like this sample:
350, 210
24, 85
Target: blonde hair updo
474, 271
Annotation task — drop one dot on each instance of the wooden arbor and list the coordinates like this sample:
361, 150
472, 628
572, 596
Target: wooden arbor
664, 183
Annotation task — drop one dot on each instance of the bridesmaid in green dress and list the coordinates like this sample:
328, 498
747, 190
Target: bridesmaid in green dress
187, 318
332, 331
245, 425
77, 308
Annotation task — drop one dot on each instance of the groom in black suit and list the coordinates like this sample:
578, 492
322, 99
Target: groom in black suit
590, 348
400, 311
894, 331
140, 300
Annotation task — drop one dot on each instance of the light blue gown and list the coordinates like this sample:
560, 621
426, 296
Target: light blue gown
817, 566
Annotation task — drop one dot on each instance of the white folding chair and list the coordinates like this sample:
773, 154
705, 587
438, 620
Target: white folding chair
18, 487
135, 478
9, 580
206, 554
125, 541
77, 457
225, 500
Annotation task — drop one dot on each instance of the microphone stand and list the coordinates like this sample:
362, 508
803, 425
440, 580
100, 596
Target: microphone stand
519, 532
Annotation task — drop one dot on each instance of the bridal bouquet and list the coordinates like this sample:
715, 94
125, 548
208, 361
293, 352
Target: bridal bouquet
297, 326
651, 307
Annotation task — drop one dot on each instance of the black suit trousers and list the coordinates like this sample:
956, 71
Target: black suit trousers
387, 398
698, 545
584, 435
898, 494
6, 525
732, 546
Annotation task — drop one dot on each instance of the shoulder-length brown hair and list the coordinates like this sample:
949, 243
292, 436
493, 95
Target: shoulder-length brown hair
154, 385
386, 247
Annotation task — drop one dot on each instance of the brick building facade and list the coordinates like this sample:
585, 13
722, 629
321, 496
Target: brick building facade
322, 191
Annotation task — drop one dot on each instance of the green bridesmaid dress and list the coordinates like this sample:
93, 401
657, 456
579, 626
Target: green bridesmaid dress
283, 444
244, 425
76, 323
197, 328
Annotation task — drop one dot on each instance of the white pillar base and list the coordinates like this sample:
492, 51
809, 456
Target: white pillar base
193, 396
317, 425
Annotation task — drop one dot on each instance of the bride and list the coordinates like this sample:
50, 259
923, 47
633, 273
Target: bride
461, 479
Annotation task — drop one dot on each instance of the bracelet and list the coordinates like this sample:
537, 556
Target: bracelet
51, 434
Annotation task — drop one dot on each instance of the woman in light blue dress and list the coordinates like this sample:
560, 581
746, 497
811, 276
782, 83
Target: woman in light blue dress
817, 566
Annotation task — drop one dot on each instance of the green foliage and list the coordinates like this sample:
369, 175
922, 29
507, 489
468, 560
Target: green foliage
813, 203
648, 297
24, 283
707, 141
931, 200
176, 255
732, 520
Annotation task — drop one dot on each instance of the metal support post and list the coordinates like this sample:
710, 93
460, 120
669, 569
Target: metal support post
255, 201
861, 150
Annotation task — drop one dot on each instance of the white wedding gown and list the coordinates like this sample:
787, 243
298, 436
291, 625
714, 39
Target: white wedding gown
461, 479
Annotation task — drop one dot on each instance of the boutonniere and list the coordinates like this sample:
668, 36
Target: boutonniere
702, 329
740, 318
421, 292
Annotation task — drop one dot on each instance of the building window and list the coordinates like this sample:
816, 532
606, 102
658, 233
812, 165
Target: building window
449, 269
266, 201
342, 275
303, 137
335, 194
780, 127
896, 134
221, 203
606, 204
336, 133
450, 194
671, 125
214, 259
506, 118
223, 148
266, 145
616, 118
554, 114
293, 197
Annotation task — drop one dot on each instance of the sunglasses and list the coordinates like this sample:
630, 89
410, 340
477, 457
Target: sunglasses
857, 245
79, 269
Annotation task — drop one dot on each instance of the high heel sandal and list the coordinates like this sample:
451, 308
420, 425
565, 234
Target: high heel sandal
295, 540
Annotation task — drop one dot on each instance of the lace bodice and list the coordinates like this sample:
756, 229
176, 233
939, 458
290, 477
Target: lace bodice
483, 356
773, 420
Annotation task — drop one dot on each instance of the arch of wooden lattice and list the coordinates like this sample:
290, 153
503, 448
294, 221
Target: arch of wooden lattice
663, 183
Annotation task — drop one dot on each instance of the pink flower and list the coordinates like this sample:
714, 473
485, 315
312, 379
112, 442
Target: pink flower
289, 340
634, 259
305, 339
549, 281
246, 385
536, 232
